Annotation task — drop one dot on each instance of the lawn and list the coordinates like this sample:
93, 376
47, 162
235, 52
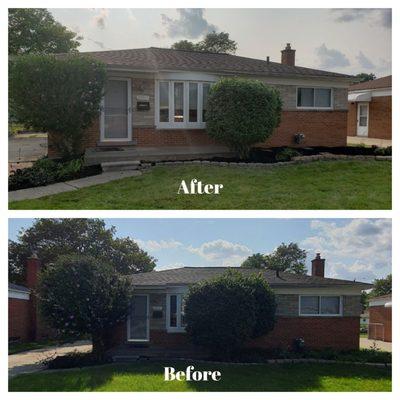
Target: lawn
149, 376
317, 185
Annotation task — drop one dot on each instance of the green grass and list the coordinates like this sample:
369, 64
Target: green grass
317, 185
149, 376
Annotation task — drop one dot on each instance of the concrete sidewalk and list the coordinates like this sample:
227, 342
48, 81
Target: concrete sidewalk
366, 343
40, 191
29, 361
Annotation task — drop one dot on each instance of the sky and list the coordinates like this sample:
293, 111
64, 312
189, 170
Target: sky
340, 40
353, 248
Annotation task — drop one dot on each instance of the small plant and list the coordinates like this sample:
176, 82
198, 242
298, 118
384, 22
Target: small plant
380, 151
388, 151
299, 345
286, 154
74, 359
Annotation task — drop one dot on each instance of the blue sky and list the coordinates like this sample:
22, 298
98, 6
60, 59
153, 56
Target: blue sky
341, 40
354, 248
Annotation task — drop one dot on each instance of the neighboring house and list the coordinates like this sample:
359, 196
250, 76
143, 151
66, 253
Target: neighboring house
157, 98
370, 112
23, 320
364, 318
324, 312
380, 318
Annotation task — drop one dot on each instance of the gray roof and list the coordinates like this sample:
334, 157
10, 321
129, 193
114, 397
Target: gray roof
191, 275
20, 288
158, 59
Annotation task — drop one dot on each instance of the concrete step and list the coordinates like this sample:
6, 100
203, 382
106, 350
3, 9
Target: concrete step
120, 166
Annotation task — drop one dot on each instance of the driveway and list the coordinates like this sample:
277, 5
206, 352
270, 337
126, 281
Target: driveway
366, 343
25, 149
29, 361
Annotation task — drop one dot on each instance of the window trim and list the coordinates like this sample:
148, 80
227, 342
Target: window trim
313, 107
178, 327
200, 124
319, 302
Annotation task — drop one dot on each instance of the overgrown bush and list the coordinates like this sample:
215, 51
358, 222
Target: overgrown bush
73, 360
46, 171
242, 112
243, 307
286, 154
59, 95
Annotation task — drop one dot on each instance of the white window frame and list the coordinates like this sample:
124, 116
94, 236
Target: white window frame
178, 327
129, 114
128, 328
171, 124
319, 302
313, 107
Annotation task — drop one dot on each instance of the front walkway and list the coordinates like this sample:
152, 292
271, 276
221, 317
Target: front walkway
366, 343
29, 361
55, 188
357, 140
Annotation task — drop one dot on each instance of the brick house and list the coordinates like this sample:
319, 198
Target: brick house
24, 323
380, 318
157, 98
370, 112
324, 312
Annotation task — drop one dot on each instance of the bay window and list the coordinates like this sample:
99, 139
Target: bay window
175, 313
314, 97
181, 104
320, 305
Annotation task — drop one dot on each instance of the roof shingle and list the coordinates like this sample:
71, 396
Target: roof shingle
192, 275
380, 83
158, 59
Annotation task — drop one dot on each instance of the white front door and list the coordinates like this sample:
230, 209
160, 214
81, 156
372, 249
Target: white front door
138, 320
362, 119
116, 115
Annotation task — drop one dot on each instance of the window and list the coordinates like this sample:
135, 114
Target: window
320, 305
314, 98
175, 313
164, 102
182, 104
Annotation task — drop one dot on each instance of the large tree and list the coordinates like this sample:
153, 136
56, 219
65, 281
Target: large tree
364, 77
382, 286
255, 261
287, 257
34, 30
213, 42
80, 295
50, 238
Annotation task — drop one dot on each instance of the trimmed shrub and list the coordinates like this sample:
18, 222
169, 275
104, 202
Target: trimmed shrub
242, 112
73, 360
223, 313
60, 95
286, 154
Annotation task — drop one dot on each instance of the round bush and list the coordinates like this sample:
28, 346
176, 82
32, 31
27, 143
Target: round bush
225, 312
242, 112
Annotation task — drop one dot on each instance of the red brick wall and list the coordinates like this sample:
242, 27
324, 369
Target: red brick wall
321, 128
338, 333
380, 315
380, 118
19, 321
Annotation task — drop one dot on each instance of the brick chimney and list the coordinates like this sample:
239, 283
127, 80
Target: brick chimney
318, 266
288, 55
32, 271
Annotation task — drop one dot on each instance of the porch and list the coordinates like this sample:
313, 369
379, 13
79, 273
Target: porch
98, 155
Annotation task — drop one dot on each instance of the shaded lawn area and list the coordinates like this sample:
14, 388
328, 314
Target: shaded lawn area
317, 185
149, 376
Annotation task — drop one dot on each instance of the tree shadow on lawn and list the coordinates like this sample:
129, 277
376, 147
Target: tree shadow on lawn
149, 376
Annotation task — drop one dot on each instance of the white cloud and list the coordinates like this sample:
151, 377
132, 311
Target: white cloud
331, 58
100, 18
364, 61
154, 245
170, 266
375, 16
221, 252
191, 24
365, 244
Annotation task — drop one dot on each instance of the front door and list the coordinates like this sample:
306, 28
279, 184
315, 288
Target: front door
138, 321
362, 119
116, 116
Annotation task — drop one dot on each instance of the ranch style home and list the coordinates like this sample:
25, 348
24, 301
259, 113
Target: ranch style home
324, 312
157, 99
